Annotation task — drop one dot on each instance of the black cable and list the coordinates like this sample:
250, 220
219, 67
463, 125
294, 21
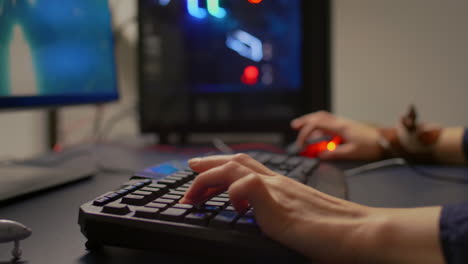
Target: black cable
402, 162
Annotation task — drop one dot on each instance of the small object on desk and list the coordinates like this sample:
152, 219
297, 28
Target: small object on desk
11, 231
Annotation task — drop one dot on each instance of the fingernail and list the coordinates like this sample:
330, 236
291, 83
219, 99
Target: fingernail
194, 162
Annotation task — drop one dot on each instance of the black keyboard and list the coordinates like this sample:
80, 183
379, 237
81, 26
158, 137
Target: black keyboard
144, 213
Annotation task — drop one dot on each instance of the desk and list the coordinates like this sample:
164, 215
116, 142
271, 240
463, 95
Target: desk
56, 236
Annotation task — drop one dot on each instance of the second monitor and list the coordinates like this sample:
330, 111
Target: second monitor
232, 65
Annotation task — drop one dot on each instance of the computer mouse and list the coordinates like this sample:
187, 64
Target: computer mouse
313, 147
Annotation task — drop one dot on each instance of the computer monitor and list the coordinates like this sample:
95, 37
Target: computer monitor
55, 53
232, 65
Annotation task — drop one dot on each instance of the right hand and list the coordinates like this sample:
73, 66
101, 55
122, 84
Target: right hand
360, 140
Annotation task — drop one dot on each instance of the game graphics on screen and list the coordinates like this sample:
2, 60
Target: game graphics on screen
238, 45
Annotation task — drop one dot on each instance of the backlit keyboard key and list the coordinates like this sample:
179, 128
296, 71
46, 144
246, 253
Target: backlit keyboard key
224, 219
198, 218
172, 214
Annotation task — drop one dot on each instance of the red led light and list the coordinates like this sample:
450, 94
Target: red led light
250, 75
255, 1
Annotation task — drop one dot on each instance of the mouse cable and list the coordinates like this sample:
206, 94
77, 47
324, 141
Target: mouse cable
402, 162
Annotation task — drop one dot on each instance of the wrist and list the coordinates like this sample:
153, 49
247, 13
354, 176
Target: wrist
402, 236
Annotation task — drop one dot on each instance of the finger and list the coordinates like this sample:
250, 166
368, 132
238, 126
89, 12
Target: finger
342, 152
298, 123
304, 134
207, 163
217, 179
251, 190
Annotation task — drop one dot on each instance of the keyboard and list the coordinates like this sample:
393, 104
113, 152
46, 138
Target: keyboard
144, 213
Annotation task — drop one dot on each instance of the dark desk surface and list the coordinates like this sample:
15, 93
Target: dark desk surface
53, 215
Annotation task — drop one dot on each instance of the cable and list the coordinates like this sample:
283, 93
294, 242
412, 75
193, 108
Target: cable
374, 166
221, 146
100, 136
402, 162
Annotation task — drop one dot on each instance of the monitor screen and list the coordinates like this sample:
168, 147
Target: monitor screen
243, 46
231, 64
56, 52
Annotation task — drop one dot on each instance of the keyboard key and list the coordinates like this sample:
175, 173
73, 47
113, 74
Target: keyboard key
146, 212
209, 203
219, 199
309, 164
134, 200
230, 208
157, 205
142, 193
131, 188
298, 175
165, 201
158, 185
123, 192
168, 183
174, 177
172, 214
224, 219
116, 208
263, 157
177, 193
294, 161
278, 159
223, 195
247, 224
210, 208
198, 218
101, 201
183, 206
171, 197
154, 191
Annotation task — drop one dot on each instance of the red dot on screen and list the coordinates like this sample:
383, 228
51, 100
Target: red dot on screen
251, 72
255, 1
250, 75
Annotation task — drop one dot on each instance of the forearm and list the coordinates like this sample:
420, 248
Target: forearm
449, 147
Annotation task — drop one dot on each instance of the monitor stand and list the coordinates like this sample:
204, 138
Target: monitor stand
44, 172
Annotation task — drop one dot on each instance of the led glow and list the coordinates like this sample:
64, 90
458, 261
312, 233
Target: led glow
331, 146
214, 9
246, 45
255, 1
193, 7
250, 75
164, 2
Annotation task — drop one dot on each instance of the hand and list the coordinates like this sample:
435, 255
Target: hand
319, 226
360, 140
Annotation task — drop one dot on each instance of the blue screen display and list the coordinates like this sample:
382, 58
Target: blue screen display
56, 52
237, 46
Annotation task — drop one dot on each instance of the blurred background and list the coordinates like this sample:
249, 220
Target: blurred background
386, 54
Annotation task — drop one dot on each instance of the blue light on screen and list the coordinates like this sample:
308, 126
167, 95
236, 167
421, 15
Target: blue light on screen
68, 46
